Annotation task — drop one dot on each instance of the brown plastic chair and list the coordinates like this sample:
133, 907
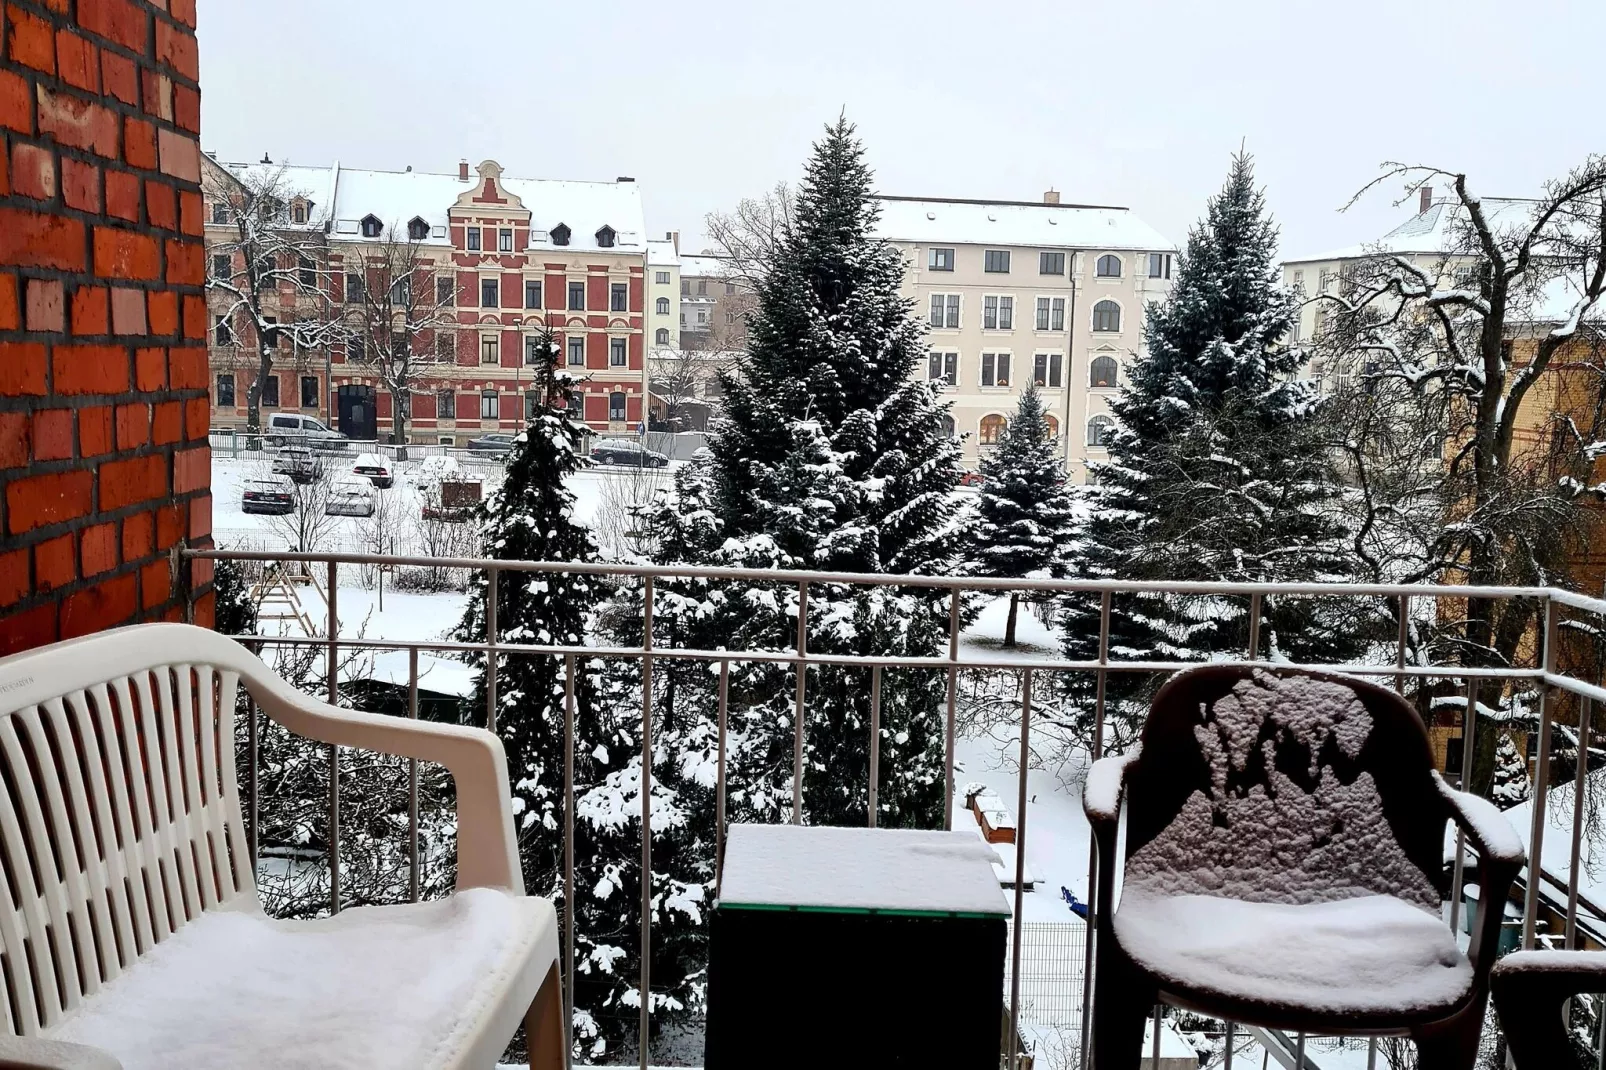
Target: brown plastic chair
1530, 988
1272, 854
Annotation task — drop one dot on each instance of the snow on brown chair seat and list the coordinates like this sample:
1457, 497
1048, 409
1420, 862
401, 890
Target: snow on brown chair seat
130, 930
1271, 854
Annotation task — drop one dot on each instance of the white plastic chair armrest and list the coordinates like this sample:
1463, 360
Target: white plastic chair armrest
34, 1053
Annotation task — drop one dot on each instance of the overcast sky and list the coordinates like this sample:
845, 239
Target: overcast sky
1115, 102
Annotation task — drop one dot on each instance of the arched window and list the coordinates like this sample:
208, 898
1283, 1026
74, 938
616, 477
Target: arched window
1106, 316
417, 229
662, 338
992, 428
1052, 425
1098, 431
1108, 267
605, 238
560, 234
616, 406
1102, 372
371, 226
948, 428
663, 306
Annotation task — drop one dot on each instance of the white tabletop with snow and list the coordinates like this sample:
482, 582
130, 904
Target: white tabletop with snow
860, 869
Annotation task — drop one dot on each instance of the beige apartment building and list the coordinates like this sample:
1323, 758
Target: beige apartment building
663, 292
1021, 291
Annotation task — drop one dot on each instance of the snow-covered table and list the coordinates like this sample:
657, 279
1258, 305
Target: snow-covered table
885, 942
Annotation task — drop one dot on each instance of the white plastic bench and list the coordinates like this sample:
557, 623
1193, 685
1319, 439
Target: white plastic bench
130, 930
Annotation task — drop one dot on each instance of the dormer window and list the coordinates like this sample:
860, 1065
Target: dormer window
371, 226
417, 230
560, 234
605, 238
298, 211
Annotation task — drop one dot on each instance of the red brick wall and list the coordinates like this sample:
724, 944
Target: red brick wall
104, 463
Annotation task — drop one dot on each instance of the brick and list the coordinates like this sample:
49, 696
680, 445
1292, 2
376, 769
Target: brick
36, 501
133, 426
195, 317
187, 108
14, 582
181, 155
183, 11
22, 368
156, 584
139, 535
95, 431
126, 254
116, 20
150, 365
197, 418
139, 143
163, 311
46, 306
120, 77
33, 171
200, 517
190, 209
192, 470
80, 185
97, 608
161, 205
177, 50
5, 174
89, 369
53, 563
15, 100
30, 41
36, 239
32, 628
156, 93
202, 571
78, 61
89, 315
122, 195
170, 522
16, 439
97, 548
52, 434
79, 123
187, 367
167, 422
138, 479
128, 311
10, 318
186, 263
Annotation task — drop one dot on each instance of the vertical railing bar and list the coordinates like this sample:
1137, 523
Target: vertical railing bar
719, 777
1405, 635
875, 738
252, 776
797, 713
1226, 1056
1541, 784
953, 700
1371, 1053
1586, 717
1093, 904
643, 1043
568, 855
332, 672
1299, 1052
1154, 1058
493, 578
1020, 867
1469, 735
1255, 610
412, 781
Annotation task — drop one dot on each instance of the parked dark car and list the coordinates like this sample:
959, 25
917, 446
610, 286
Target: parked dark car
273, 497
623, 451
496, 442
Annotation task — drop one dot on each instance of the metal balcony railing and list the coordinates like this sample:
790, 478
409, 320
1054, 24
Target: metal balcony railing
1544, 675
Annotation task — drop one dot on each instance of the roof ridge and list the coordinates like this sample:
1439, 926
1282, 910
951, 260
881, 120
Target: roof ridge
1016, 204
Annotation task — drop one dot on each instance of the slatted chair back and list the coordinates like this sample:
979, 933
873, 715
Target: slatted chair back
119, 815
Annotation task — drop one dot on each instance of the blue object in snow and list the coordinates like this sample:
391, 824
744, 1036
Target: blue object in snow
1078, 907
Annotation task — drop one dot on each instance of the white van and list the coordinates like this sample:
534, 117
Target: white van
294, 429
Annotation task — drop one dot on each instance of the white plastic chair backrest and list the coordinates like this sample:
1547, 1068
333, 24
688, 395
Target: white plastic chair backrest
119, 811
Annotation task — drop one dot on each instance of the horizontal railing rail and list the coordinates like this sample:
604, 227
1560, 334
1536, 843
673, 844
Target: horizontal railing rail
1544, 675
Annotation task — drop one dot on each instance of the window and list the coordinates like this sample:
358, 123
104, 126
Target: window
702, 315
560, 234
490, 405
945, 310
616, 406
618, 298
532, 349
306, 271
617, 355
1324, 281
702, 287
270, 334
401, 292
309, 391
995, 369
992, 429
270, 391
446, 345
605, 238
577, 351
1102, 372
1048, 370
220, 212
1299, 280
488, 293
662, 306
998, 313
1051, 313
532, 293
1106, 316
371, 226
220, 266
1051, 427
662, 337
730, 289
225, 391
685, 287
266, 267
472, 235
356, 349
504, 240
222, 332
356, 292
445, 290
996, 261
488, 350
532, 406
949, 428
1051, 263
446, 405
1108, 267
660, 278
940, 260
1298, 328
298, 211
417, 229
943, 368
1160, 266
1098, 431
577, 296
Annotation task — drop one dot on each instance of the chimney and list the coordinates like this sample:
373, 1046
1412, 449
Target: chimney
1051, 197
624, 178
1426, 195
462, 170
674, 239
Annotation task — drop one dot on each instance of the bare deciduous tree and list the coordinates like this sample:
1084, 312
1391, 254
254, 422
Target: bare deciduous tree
750, 235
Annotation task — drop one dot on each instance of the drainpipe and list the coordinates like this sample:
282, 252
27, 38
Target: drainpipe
1070, 364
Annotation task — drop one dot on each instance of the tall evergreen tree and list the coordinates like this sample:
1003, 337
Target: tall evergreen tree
1216, 471
1024, 525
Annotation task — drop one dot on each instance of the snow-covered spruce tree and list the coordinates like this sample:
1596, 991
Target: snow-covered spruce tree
1216, 472
1510, 785
1025, 522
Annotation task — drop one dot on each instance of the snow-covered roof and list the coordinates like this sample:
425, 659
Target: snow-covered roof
1432, 231
662, 254
691, 266
1059, 226
316, 184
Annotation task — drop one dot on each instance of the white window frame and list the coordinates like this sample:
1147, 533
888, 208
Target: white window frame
945, 364
624, 406
992, 362
495, 398
1098, 419
660, 278
953, 305
1120, 266
932, 258
1093, 316
618, 353
1051, 309
496, 281
490, 344
531, 356
1165, 265
1000, 308
981, 436
1053, 363
504, 239
1064, 260
540, 292
570, 347
986, 259
661, 306
1115, 382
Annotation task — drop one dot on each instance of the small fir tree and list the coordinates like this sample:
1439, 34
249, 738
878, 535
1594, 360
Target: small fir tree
1511, 784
